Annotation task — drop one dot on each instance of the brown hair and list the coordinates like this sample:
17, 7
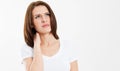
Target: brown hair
29, 30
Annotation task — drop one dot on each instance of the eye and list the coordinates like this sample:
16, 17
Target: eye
37, 16
47, 14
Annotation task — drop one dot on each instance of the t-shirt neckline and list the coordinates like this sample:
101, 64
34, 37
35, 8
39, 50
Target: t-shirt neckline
56, 54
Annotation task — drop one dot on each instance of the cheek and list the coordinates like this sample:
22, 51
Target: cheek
48, 20
37, 24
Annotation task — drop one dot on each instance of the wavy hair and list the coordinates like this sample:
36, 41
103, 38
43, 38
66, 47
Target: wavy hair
29, 30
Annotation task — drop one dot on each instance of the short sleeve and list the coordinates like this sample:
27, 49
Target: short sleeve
26, 51
73, 56
73, 52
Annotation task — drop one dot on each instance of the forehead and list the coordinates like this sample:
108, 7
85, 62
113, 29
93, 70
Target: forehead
39, 10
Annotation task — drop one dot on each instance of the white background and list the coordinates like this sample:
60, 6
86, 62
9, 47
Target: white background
93, 24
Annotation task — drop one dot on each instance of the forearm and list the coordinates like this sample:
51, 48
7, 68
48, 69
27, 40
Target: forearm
37, 63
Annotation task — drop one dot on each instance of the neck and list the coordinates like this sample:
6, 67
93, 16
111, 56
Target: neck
47, 39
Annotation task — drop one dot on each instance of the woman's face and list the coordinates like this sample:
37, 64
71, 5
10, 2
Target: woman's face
41, 19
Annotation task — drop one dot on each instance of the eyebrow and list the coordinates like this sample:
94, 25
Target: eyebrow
40, 14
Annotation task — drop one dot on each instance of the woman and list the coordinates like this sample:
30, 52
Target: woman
44, 50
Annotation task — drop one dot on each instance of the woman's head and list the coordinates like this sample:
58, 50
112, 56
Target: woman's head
39, 18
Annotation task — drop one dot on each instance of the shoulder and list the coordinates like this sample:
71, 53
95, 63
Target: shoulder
26, 51
26, 48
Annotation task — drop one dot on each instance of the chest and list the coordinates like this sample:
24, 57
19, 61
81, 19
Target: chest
57, 62
56, 65
50, 50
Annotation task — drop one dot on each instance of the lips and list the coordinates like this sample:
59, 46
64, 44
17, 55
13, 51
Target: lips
45, 25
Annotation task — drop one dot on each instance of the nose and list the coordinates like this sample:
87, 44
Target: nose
43, 19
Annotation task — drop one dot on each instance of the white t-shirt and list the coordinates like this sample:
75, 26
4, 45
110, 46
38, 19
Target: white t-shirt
59, 61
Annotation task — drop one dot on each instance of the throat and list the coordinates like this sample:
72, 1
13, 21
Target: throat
48, 40
51, 44
51, 50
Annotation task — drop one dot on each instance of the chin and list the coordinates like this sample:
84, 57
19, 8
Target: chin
45, 31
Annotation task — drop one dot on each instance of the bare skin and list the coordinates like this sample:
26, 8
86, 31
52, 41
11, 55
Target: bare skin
44, 42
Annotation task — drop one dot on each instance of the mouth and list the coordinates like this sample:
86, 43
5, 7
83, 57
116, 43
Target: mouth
45, 25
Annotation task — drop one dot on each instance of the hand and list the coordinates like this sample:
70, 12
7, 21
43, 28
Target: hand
37, 40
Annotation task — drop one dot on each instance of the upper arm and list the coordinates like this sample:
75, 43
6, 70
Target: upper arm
74, 66
27, 62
